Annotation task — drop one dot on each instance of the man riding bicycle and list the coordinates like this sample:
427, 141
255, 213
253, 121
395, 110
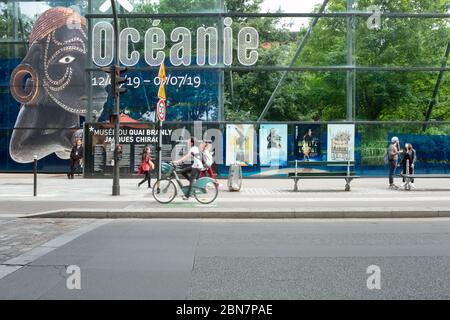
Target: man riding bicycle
194, 168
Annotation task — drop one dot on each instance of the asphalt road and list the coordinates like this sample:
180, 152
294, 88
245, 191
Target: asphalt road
240, 259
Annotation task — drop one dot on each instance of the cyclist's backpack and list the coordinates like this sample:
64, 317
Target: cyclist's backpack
207, 159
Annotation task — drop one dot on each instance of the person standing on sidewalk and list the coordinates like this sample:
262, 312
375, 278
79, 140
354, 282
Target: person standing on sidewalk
207, 160
407, 163
76, 156
146, 166
392, 155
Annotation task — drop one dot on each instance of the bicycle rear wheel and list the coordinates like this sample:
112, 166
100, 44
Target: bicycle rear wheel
164, 190
208, 194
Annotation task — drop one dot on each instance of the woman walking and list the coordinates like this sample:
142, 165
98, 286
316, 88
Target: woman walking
208, 160
76, 156
146, 166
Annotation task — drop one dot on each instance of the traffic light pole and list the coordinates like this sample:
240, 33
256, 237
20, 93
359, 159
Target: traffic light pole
116, 97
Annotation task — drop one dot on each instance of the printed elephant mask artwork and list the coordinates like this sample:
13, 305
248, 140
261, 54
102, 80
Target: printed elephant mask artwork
50, 85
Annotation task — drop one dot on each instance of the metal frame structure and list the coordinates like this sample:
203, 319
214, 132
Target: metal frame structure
350, 69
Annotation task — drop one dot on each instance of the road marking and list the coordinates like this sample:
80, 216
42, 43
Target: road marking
19, 262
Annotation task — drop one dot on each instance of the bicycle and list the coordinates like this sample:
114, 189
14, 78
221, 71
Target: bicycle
164, 190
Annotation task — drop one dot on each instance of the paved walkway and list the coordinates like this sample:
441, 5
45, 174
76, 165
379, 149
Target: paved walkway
55, 192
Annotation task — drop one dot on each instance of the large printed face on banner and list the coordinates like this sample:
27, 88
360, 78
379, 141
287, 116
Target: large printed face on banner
273, 145
341, 142
50, 86
240, 142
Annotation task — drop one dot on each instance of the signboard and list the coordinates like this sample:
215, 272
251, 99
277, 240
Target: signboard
99, 150
161, 110
341, 142
307, 142
273, 145
240, 144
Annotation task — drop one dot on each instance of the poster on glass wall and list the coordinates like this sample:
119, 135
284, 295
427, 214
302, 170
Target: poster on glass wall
307, 142
341, 142
273, 145
240, 142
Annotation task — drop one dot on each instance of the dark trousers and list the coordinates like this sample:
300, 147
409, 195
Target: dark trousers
74, 165
392, 165
147, 177
411, 171
192, 177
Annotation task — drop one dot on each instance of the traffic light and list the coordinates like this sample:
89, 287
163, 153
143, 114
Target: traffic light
117, 80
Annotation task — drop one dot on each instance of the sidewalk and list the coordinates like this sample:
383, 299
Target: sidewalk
259, 198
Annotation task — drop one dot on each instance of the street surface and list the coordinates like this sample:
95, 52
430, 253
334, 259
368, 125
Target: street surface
219, 258
237, 259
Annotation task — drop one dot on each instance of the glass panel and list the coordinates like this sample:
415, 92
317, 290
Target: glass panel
303, 96
400, 96
408, 42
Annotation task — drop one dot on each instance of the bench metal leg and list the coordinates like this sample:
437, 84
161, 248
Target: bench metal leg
296, 185
347, 183
407, 183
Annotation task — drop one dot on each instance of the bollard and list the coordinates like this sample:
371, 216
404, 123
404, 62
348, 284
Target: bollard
35, 176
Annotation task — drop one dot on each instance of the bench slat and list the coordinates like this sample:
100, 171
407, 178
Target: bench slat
321, 163
320, 174
325, 177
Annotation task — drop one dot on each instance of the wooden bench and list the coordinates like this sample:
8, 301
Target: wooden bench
348, 174
409, 177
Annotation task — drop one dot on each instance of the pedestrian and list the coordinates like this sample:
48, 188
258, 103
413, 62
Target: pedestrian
207, 160
146, 166
392, 156
76, 157
407, 163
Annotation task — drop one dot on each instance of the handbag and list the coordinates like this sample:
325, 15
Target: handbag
151, 164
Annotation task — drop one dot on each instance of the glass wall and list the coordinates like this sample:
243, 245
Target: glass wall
311, 61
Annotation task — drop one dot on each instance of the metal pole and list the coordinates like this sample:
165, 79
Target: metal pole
350, 73
116, 170
437, 86
89, 74
296, 55
231, 89
221, 75
160, 123
35, 176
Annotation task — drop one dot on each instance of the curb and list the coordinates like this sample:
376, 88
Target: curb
238, 213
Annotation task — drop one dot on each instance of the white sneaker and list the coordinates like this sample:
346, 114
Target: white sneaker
402, 185
412, 185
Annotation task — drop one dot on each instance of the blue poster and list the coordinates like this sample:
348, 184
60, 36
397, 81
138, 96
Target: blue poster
307, 142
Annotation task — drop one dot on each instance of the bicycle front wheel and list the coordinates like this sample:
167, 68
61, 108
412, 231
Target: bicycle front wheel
207, 194
164, 190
